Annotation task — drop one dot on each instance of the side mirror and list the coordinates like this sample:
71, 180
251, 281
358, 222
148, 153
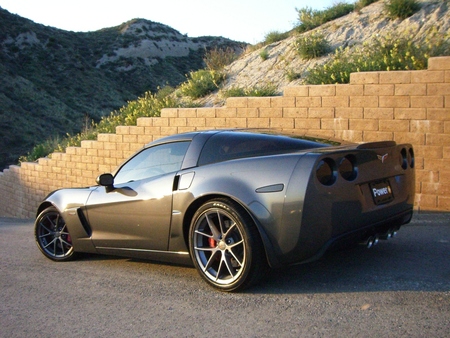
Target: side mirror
106, 180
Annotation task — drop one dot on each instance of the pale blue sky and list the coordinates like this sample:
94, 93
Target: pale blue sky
240, 20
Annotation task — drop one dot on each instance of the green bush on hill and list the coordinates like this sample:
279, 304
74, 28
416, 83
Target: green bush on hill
380, 54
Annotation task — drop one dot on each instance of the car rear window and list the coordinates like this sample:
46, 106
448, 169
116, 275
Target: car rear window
231, 145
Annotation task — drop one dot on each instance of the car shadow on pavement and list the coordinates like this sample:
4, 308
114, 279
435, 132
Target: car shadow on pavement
415, 260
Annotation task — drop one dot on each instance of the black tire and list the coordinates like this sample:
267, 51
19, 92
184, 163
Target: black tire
226, 247
52, 236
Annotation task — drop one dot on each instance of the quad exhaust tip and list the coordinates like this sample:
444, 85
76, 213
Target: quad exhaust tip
373, 240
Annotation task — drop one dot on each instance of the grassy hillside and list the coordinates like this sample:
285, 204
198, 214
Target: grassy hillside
54, 82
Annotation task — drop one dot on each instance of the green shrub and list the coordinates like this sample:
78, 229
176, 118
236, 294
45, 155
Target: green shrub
401, 9
310, 19
217, 58
264, 54
201, 82
268, 89
381, 54
312, 46
275, 36
363, 3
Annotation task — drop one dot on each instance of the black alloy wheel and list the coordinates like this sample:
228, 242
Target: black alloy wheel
52, 236
226, 247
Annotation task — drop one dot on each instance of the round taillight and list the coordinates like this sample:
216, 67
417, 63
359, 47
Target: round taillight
326, 171
404, 159
347, 168
411, 157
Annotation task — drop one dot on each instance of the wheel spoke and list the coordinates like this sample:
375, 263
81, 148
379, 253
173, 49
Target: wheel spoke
53, 241
215, 232
228, 265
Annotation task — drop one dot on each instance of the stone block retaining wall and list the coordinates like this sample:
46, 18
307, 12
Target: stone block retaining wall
404, 106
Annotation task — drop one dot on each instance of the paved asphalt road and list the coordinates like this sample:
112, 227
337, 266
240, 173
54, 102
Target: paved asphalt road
400, 288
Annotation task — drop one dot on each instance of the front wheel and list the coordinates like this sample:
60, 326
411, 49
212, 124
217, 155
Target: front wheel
52, 236
226, 247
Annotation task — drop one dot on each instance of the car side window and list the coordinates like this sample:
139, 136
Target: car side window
158, 160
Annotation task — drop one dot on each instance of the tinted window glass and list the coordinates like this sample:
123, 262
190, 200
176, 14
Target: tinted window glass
154, 161
227, 146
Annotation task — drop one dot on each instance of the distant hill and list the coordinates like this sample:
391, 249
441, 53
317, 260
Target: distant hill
53, 82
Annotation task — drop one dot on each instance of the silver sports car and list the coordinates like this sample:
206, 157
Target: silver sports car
234, 203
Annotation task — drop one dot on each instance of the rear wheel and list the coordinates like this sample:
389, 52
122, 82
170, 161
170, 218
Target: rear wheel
225, 246
52, 236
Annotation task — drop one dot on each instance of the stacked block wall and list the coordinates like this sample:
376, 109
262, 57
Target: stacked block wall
404, 106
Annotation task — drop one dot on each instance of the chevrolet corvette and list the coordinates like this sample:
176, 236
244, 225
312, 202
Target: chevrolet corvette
234, 203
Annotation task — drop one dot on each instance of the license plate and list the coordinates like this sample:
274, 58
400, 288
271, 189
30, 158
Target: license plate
381, 192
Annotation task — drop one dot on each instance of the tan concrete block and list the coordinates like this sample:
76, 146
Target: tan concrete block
394, 101
135, 130
145, 121
282, 123
431, 152
236, 122
395, 77
127, 139
350, 135
237, 102
187, 112
271, 112
379, 113
160, 122
307, 123
349, 113
247, 112
410, 113
379, 89
349, 90
441, 114
307, 102
261, 122
282, 102
427, 101
335, 101
363, 124
427, 126
259, 102
178, 122
322, 90
167, 131
425, 202
321, 113
226, 112
443, 203
365, 78
435, 89
364, 101
394, 125
216, 122
196, 122
334, 124
296, 91
437, 139
295, 112
407, 137
123, 130
206, 112
427, 76
439, 63
375, 136
411, 89
436, 164
169, 112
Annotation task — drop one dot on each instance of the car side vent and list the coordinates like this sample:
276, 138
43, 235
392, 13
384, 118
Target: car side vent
84, 222
375, 145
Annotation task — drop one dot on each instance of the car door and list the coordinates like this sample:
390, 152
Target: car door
136, 213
